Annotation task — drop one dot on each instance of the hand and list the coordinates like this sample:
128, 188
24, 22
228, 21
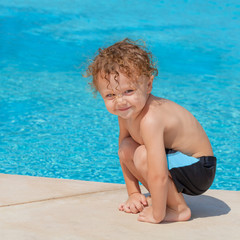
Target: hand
135, 203
147, 215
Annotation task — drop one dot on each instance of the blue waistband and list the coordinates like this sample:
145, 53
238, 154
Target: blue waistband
178, 159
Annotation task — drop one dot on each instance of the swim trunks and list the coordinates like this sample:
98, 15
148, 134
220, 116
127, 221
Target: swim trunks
192, 176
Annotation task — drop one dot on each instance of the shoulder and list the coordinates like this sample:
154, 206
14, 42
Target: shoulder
161, 115
165, 112
155, 113
153, 122
152, 128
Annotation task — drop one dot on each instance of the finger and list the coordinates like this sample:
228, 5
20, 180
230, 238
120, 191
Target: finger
144, 200
126, 208
139, 206
133, 208
120, 208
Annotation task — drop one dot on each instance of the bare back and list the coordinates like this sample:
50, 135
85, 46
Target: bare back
182, 131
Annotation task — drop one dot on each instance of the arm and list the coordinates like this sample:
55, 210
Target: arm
153, 137
131, 182
136, 200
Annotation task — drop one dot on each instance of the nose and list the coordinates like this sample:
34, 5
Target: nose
120, 98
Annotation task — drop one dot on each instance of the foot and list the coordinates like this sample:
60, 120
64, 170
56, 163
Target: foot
182, 214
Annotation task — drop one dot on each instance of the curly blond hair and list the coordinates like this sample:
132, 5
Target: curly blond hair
127, 57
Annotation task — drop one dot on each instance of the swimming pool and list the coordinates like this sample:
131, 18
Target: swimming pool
50, 125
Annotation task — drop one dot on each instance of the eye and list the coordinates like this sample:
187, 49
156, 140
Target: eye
128, 92
110, 96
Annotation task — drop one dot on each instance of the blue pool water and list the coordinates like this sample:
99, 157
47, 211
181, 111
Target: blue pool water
50, 125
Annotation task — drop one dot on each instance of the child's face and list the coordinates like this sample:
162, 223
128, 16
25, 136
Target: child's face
125, 98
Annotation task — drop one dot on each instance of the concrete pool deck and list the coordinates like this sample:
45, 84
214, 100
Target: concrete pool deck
37, 208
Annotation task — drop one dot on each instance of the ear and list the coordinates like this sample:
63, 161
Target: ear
149, 84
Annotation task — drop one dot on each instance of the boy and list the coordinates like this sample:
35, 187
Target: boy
161, 144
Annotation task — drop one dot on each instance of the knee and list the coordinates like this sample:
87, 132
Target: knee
126, 150
122, 153
140, 157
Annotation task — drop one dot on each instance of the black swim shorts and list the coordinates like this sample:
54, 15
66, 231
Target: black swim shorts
192, 176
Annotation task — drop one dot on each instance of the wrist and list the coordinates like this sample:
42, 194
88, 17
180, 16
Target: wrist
130, 194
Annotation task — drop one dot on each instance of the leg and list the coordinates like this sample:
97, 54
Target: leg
177, 209
135, 202
127, 152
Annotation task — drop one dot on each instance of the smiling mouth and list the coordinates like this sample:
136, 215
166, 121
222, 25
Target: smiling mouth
123, 109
